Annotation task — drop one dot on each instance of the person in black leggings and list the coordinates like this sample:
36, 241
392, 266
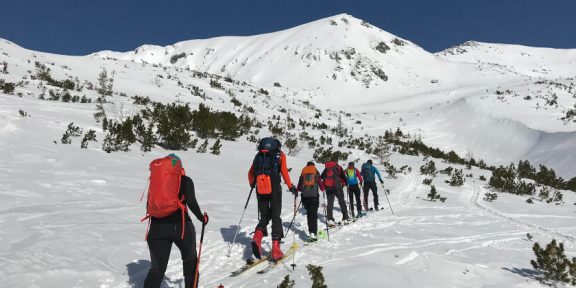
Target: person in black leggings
165, 231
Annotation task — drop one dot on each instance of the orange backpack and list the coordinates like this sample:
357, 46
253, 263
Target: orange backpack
309, 182
164, 189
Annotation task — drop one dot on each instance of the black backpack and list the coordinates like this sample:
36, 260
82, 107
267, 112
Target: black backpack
266, 164
269, 145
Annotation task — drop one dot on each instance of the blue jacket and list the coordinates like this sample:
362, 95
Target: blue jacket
368, 172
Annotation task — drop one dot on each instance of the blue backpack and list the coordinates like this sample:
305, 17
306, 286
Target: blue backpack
367, 173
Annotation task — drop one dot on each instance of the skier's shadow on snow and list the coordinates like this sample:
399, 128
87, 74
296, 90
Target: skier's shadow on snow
301, 230
137, 272
242, 239
527, 273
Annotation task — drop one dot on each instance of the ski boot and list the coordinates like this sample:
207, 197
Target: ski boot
312, 237
257, 243
276, 252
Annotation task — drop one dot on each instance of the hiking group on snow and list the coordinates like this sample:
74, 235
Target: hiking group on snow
170, 191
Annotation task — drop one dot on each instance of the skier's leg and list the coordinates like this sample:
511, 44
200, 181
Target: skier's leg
265, 213
366, 191
307, 203
351, 197
188, 252
159, 244
375, 193
331, 195
342, 203
276, 209
358, 201
313, 215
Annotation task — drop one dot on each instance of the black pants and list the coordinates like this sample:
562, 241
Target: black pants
338, 193
371, 186
354, 192
270, 207
311, 206
160, 239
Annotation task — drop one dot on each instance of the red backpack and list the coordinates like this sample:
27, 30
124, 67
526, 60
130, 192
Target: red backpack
332, 178
164, 189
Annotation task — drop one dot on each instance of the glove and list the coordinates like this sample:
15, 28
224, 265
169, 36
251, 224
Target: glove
252, 185
206, 218
294, 191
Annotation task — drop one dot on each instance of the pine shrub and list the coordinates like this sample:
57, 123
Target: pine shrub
457, 178
215, 149
120, 136
553, 264
490, 196
428, 169
434, 195
71, 131
286, 283
202, 148
89, 136
316, 276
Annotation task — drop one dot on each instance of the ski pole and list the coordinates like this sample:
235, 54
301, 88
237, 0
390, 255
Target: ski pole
296, 209
386, 194
294, 232
240, 223
326, 216
199, 253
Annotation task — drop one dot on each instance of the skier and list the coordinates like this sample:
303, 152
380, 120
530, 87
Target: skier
334, 179
308, 184
269, 163
368, 173
354, 180
176, 227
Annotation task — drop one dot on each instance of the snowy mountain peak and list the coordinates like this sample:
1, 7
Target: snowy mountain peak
336, 53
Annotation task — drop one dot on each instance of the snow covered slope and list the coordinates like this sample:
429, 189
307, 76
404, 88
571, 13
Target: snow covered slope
529, 61
342, 57
70, 217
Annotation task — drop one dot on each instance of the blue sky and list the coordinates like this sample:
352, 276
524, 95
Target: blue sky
81, 27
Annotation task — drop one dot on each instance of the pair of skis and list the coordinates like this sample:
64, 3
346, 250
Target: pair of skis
265, 258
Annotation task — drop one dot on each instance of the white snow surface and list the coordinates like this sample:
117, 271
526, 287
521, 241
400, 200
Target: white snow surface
70, 216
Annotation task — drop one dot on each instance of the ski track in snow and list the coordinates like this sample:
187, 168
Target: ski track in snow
326, 253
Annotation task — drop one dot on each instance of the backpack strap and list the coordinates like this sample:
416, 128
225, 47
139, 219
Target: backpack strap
181, 203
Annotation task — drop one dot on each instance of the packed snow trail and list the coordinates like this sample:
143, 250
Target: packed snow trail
459, 235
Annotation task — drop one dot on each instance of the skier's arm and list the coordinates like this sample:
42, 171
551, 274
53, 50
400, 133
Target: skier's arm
251, 176
359, 175
320, 181
191, 198
299, 187
343, 176
284, 170
377, 173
